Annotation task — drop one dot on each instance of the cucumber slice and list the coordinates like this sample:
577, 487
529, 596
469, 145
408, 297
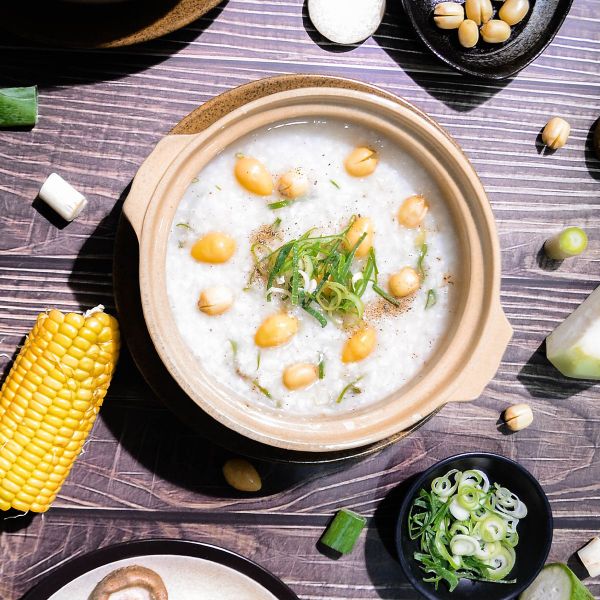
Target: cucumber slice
556, 582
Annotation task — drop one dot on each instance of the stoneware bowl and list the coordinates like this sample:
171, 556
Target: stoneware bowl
535, 530
467, 357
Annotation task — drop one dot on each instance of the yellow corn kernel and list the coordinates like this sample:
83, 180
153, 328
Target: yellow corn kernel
49, 402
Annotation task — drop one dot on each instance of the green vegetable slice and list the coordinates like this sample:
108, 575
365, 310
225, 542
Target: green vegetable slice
343, 532
18, 107
351, 385
422, 255
572, 241
431, 299
321, 366
279, 204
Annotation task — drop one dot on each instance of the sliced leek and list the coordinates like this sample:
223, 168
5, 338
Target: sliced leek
18, 107
466, 528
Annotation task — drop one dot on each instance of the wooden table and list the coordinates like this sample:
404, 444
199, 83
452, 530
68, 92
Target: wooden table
143, 473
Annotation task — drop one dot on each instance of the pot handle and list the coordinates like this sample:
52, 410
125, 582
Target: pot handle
147, 178
485, 361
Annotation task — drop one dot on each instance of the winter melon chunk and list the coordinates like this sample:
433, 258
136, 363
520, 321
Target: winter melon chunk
574, 346
556, 582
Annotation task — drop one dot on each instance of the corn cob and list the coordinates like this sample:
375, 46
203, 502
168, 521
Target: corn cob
49, 402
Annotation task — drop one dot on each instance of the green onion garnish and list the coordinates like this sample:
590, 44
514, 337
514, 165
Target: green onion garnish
18, 107
335, 184
385, 295
313, 312
280, 204
351, 385
262, 389
276, 223
431, 299
317, 270
344, 531
252, 381
422, 255
321, 366
219, 187
258, 360
184, 226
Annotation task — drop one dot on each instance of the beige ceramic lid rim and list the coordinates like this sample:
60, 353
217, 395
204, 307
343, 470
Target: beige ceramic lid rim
307, 441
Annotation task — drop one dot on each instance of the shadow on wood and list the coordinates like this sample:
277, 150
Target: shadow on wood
12, 520
545, 263
381, 552
543, 380
47, 67
592, 158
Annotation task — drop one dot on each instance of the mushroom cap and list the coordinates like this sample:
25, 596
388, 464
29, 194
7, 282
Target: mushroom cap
133, 576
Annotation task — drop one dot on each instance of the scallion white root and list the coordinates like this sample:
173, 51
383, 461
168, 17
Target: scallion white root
62, 197
590, 557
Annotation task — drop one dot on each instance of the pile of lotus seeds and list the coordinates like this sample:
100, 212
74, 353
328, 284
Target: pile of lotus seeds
479, 20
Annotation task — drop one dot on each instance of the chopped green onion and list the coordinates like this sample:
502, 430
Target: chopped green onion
239, 155
385, 295
335, 183
321, 366
431, 299
300, 263
234, 347
351, 385
18, 107
280, 204
295, 274
276, 223
343, 532
219, 187
184, 226
258, 356
262, 389
316, 314
422, 255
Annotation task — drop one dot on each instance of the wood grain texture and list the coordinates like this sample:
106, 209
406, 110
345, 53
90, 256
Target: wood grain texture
143, 473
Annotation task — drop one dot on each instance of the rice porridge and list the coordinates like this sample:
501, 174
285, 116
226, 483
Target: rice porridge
311, 267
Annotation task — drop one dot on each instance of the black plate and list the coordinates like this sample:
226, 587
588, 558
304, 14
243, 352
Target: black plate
76, 567
491, 61
535, 530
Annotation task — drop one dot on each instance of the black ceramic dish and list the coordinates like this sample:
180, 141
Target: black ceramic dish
76, 567
491, 61
535, 530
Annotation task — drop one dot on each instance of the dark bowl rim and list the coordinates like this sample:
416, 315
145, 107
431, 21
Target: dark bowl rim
77, 566
512, 589
478, 74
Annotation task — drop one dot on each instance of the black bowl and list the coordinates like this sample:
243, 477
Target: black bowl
535, 530
491, 61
